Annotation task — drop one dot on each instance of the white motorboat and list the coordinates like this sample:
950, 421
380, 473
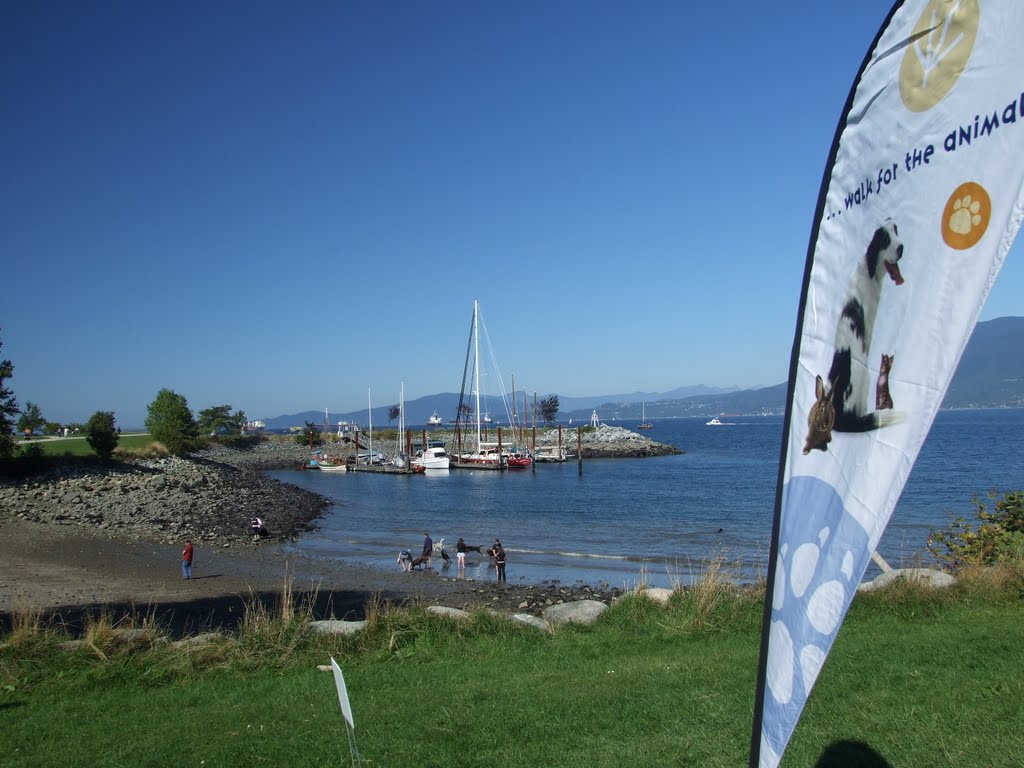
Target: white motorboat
717, 422
431, 458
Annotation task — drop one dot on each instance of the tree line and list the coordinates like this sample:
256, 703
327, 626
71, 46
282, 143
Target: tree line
169, 420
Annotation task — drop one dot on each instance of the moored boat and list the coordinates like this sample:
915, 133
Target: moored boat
550, 453
431, 458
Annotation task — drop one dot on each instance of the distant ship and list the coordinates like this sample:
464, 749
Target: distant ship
434, 420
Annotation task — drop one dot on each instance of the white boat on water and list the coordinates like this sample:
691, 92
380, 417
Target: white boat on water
431, 458
434, 420
717, 422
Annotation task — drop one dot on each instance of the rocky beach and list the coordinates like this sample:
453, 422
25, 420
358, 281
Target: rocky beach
81, 539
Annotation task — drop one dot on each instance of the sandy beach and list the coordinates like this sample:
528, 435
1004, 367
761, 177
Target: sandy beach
66, 573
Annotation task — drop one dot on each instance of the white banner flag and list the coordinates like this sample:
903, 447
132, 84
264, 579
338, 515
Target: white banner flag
920, 203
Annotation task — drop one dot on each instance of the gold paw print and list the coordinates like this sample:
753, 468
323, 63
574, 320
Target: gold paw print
966, 216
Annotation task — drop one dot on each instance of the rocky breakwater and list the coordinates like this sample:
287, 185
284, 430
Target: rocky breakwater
167, 499
607, 442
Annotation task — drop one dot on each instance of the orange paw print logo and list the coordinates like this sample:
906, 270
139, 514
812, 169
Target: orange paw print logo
966, 216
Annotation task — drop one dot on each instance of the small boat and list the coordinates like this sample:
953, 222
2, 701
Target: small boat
333, 466
550, 453
717, 422
518, 459
323, 462
644, 423
431, 458
434, 420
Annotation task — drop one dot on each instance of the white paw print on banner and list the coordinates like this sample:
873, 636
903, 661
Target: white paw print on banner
822, 553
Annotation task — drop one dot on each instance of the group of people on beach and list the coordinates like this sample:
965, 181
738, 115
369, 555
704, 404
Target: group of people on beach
496, 553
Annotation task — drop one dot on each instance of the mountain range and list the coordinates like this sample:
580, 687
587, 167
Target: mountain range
990, 375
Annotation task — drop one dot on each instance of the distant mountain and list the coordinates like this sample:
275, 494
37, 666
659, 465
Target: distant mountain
990, 375
991, 371
569, 404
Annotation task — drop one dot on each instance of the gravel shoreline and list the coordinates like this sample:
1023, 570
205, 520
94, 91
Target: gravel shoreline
79, 540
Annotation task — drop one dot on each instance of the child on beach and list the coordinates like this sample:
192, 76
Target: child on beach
405, 560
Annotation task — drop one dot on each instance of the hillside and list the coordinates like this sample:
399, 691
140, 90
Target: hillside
990, 375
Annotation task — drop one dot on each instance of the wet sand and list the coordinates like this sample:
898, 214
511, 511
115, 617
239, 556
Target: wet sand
66, 573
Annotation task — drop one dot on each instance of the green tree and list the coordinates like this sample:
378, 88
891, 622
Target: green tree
52, 428
219, 418
549, 408
31, 418
8, 408
101, 434
170, 421
309, 434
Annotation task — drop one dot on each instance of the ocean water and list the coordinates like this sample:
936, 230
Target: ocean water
654, 519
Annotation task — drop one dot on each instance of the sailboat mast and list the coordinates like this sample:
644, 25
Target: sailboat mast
476, 367
515, 415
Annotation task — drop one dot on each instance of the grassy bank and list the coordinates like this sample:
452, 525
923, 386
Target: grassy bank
926, 678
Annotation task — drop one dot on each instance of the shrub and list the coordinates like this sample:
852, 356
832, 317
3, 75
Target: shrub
998, 537
101, 434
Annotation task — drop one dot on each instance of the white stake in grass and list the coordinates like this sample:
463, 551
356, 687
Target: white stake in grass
346, 712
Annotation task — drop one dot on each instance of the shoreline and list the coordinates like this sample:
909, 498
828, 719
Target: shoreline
80, 542
66, 576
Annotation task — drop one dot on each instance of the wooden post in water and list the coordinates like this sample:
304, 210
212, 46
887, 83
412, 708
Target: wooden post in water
579, 449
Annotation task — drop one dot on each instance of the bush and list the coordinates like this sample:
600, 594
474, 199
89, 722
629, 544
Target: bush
999, 535
101, 434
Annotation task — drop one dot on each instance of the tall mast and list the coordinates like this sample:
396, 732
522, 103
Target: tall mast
476, 369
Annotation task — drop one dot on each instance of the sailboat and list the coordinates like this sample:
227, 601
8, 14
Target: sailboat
401, 460
434, 420
322, 461
486, 455
644, 424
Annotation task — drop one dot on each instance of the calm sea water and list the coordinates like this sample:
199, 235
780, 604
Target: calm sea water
660, 517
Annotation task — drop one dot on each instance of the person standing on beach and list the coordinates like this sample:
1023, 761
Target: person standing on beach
428, 547
460, 557
499, 560
186, 561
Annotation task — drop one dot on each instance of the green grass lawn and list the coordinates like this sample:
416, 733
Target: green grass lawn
925, 680
77, 445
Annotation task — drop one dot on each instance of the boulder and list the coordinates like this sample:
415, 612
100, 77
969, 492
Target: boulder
660, 595
451, 613
927, 576
533, 621
337, 627
576, 612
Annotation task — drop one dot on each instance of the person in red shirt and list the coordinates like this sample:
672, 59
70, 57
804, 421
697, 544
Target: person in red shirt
186, 561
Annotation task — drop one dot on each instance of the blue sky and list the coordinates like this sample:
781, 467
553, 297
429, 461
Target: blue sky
283, 206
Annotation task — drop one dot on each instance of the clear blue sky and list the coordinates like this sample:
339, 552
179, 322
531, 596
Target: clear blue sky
282, 206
